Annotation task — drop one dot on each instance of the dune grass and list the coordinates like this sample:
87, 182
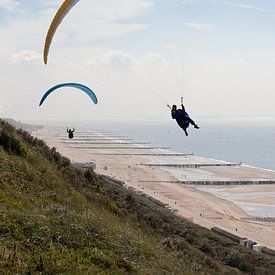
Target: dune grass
55, 218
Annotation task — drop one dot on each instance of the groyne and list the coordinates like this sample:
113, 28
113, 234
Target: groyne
106, 143
118, 148
143, 154
212, 182
192, 165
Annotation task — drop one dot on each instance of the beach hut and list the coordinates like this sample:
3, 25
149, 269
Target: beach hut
257, 247
243, 241
85, 165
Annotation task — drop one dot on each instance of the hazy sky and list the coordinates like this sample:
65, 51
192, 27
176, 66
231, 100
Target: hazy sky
137, 56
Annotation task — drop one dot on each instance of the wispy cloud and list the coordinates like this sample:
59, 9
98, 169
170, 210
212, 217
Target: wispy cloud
186, 1
199, 26
25, 56
155, 58
107, 20
115, 59
245, 6
9, 5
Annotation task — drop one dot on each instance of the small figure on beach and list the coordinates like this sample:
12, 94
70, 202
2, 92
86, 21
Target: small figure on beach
70, 133
182, 117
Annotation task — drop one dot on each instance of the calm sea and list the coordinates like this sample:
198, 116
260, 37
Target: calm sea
251, 143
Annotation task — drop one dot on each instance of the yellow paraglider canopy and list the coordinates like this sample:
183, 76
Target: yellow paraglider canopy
59, 16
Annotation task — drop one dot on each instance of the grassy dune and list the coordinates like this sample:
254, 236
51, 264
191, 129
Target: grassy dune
57, 219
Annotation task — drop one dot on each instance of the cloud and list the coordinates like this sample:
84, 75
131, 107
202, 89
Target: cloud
118, 62
104, 19
86, 23
49, 3
245, 6
115, 60
199, 26
25, 56
186, 1
154, 58
9, 5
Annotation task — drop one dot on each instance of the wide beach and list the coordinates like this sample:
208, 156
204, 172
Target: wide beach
146, 170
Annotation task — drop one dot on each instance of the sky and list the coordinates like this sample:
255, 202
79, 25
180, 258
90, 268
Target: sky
138, 56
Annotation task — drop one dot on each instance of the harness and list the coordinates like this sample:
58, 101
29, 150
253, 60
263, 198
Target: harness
182, 118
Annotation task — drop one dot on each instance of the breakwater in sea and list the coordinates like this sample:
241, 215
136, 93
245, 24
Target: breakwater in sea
217, 182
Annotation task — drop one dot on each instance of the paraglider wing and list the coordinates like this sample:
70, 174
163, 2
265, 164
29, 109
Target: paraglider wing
82, 87
59, 16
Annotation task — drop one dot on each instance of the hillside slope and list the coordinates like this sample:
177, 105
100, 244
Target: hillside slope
58, 219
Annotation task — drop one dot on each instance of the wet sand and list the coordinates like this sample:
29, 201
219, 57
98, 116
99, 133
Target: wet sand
203, 207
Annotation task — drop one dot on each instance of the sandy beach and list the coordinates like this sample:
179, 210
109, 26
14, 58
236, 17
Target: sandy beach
128, 163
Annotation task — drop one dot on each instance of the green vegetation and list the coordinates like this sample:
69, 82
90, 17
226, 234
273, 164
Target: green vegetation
55, 218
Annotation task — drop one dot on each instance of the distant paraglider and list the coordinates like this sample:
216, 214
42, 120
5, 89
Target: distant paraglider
58, 18
70, 133
81, 87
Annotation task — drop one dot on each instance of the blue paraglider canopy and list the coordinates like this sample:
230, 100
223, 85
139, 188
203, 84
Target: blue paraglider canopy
79, 86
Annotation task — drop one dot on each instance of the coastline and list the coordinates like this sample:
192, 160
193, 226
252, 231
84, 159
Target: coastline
203, 207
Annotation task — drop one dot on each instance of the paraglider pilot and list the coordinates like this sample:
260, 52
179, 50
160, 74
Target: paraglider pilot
70, 133
182, 117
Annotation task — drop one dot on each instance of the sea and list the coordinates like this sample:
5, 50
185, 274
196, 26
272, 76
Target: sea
247, 141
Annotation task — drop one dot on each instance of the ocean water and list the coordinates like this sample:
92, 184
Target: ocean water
254, 209
252, 143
